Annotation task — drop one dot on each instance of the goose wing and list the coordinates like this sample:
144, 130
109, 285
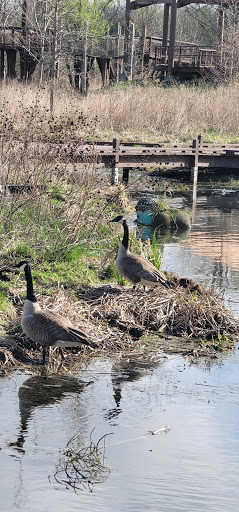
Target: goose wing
46, 327
143, 269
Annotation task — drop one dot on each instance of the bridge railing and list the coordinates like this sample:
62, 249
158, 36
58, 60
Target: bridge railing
17, 38
187, 55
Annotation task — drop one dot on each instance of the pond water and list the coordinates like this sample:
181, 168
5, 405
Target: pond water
192, 466
209, 252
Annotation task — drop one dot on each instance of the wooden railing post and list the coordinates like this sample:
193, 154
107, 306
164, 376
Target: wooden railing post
200, 140
144, 35
115, 168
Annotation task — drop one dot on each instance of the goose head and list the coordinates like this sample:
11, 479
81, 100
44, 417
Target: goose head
120, 219
22, 265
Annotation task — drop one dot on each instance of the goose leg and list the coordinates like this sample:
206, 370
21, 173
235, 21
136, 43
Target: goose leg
61, 353
43, 355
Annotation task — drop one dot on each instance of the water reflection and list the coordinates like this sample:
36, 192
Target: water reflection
193, 468
42, 390
130, 368
226, 203
163, 235
210, 253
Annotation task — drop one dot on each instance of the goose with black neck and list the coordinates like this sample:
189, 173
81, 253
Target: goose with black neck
134, 267
46, 327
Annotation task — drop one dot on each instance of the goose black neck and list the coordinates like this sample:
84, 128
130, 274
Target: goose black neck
125, 241
30, 292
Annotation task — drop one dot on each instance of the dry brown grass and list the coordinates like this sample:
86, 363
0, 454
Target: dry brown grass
116, 318
136, 112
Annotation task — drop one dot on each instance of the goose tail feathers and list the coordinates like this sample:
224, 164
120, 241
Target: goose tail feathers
81, 337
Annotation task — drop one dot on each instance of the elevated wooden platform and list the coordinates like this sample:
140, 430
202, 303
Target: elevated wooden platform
170, 61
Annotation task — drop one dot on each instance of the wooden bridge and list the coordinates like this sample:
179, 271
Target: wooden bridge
127, 155
115, 53
189, 59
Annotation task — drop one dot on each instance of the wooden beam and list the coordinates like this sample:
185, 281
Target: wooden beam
221, 19
172, 36
11, 63
2, 65
24, 13
131, 51
144, 35
126, 34
165, 31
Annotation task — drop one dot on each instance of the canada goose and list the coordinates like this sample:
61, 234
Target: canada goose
45, 327
134, 267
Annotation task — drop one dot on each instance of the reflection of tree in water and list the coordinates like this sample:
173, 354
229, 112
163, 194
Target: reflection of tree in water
82, 468
42, 390
130, 368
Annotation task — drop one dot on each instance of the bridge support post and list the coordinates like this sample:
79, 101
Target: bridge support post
131, 50
115, 168
83, 83
165, 33
125, 178
194, 168
115, 176
144, 35
172, 36
126, 36
118, 53
221, 21
11, 63
2, 65
194, 179
194, 173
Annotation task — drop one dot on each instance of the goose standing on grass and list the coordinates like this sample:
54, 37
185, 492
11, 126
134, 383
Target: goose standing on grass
45, 327
134, 267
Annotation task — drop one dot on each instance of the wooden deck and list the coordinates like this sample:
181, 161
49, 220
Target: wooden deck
143, 155
118, 155
189, 59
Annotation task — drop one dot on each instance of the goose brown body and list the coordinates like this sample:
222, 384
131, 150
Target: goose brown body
45, 327
49, 328
134, 267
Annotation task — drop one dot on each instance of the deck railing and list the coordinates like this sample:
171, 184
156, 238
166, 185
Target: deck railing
187, 55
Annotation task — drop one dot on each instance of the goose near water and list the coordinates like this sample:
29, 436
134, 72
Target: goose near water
45, 327
136, 268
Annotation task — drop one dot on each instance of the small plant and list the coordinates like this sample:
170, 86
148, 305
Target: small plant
161, 202
82, 468
152, 251
222, 342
